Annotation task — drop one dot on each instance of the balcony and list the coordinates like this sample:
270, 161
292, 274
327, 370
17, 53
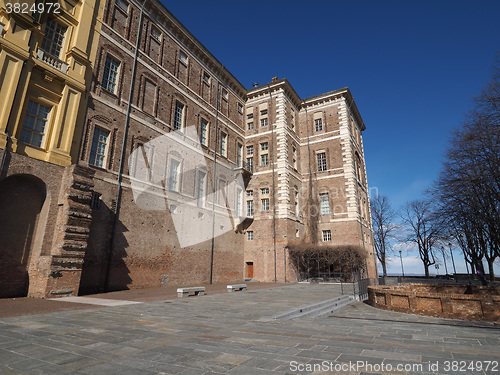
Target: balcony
246, 170
52, 61
243, 224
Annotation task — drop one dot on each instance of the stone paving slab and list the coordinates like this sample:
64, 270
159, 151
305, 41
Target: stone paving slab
232, 334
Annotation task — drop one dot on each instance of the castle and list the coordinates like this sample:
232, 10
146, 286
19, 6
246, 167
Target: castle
131, 157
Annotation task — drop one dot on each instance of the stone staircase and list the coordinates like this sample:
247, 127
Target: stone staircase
318, 309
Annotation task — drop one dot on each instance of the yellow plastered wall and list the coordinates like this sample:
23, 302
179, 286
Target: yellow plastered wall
28, 72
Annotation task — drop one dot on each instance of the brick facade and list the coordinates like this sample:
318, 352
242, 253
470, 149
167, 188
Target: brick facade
119, 237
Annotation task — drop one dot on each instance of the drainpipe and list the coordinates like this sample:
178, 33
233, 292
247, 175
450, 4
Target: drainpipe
122, 155
212, 248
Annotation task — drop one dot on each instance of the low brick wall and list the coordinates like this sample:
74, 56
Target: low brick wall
438, 300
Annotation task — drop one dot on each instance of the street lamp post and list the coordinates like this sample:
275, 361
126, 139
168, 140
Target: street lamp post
453, 261
444, 258
401, 259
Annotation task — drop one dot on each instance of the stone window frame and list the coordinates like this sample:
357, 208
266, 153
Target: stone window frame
296, 202
207, 131
250, 236
318, 125
264, 160
224, 140
326, 235
178, 187
120, 3
324, 204
201, 199
47, 124
175, 121
206, 78
250, 208
111, 57
48, 42
239, 153
158, 35
105, 156
249, 150
322, 165
265, 204
183, 58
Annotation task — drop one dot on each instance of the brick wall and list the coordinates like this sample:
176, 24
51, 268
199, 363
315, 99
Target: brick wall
445, 301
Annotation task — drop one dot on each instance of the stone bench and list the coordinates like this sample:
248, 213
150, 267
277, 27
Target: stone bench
197, 290
235, 287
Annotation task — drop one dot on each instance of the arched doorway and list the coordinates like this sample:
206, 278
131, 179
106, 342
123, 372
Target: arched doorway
21, 200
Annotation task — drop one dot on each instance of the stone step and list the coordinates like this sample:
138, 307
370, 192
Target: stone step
318, 309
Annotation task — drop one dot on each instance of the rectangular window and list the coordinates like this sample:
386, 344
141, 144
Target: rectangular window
95, 201
264, 160
183, 57
122, 4
264, 146
294, 157
249, 193
263, 122
239, 155
200, 198
250, 150
263, 112
249, 208
264, 204
250, 235
240, 108
206, 78
296, 203
155, 33
99, 146
318, 124
250, 116
178, 115
239, 196
250, 125
173, 181
35, 123
53, 40
327, 235
225, 95
203, 132
223, 144
250, 164
321, 156
264, 191
324, 204
110, 76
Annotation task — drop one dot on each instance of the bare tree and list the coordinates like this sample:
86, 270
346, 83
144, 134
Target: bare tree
468, 187
423, 229
383, 227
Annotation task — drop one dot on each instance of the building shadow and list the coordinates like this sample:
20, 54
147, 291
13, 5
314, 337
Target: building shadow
104, 269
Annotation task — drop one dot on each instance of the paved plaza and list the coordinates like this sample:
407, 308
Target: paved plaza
235, 334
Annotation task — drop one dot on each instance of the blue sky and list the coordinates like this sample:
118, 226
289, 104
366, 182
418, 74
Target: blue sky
412, 67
